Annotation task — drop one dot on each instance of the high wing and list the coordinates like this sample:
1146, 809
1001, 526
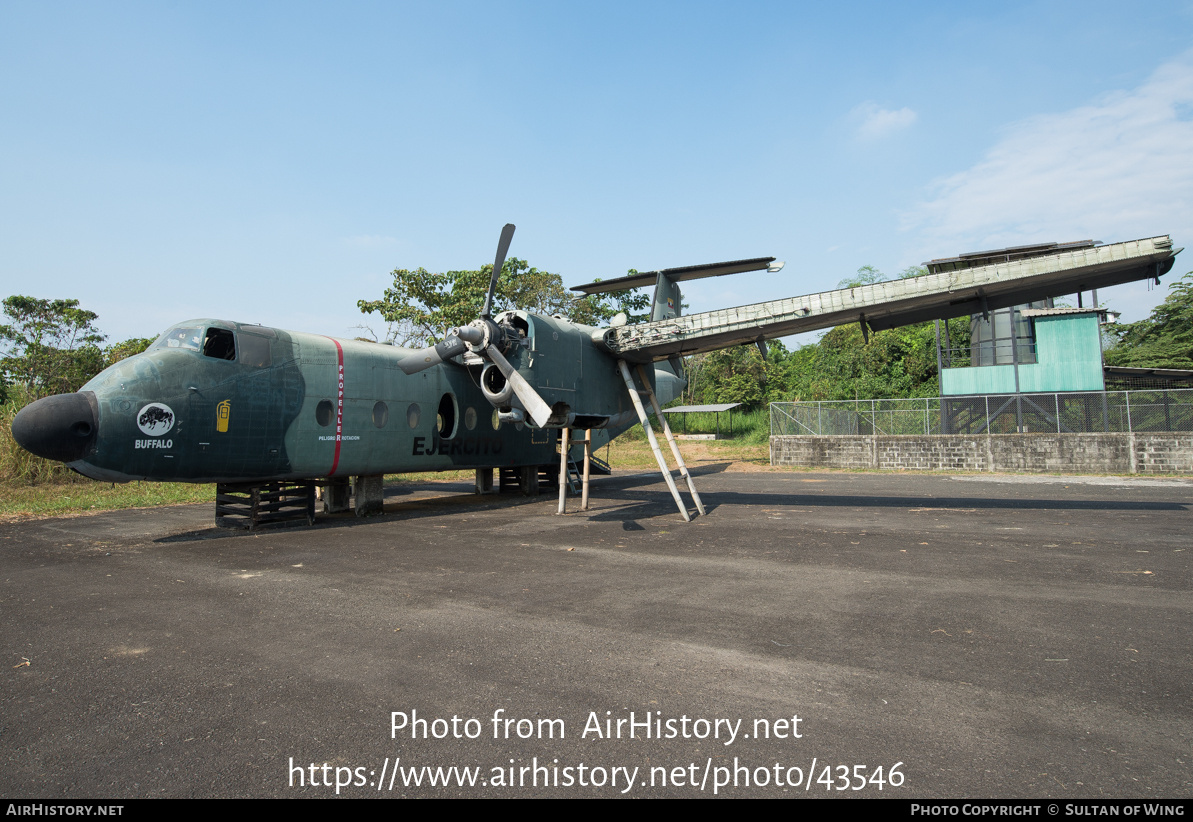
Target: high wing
948, 293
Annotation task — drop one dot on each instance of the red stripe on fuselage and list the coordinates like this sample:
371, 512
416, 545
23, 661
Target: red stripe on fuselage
335, 463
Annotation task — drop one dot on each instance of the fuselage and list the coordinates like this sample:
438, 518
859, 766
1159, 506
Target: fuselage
217, 401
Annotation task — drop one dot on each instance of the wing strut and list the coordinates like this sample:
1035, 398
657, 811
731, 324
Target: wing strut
654, 443
683, 469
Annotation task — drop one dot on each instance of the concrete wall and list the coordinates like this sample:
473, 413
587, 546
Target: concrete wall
1166, 453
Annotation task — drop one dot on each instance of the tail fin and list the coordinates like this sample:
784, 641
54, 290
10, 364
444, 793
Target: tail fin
668, 299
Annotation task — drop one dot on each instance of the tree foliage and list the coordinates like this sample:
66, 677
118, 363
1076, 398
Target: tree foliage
632, 302
53, 347
1164, 339
420, 305
900, 362
122, 350
868, 275
50, 346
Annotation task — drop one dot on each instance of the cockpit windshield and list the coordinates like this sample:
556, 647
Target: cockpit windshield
185, 337
212, 341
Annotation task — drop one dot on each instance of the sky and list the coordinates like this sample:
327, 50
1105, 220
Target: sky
274, 162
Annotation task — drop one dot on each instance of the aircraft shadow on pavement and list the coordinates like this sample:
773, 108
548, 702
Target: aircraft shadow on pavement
394, 511
632, 501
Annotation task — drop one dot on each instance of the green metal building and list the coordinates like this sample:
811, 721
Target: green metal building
1060, 351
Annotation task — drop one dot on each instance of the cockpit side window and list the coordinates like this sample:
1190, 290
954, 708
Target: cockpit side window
254, 350
220, 344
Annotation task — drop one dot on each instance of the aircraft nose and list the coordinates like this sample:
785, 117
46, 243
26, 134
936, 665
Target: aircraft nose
61, 427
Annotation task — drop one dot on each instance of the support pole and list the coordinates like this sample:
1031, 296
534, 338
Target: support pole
587, 463
336, 495
563, 468
683, 469
1015, 363
650, 437
484, 481
370, 495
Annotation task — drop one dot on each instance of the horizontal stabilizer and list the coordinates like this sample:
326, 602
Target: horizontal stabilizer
940, 295
675, 275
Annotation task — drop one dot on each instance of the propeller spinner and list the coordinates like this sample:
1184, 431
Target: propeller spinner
483, 337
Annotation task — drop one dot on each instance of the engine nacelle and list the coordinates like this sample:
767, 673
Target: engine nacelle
496, 387
559, 360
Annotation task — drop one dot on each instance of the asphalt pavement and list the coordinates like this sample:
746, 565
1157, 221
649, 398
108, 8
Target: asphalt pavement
834, 634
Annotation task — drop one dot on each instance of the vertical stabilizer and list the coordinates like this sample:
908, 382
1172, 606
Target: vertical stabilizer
668, 299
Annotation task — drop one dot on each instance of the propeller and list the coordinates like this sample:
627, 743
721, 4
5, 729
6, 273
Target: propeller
482, 336
503, 247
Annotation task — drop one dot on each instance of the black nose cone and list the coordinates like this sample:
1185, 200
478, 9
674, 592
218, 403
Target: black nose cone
61, 427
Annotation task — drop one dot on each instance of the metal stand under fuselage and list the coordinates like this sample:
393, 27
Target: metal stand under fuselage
564, 470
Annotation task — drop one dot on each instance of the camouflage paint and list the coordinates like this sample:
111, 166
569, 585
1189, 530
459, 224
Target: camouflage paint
326, 407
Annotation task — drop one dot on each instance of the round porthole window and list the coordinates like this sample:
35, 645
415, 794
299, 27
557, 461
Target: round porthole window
495, 421
380, 414
323, 412
413, 415
470, 418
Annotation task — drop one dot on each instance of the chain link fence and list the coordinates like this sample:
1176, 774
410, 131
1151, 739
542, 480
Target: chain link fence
1070, 413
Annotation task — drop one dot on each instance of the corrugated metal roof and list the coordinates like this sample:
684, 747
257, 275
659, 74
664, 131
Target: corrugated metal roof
1017, 252
1056, 312
1176, 373
724, 406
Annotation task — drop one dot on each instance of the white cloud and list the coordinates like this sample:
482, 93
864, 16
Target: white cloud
1118, 169
875, 122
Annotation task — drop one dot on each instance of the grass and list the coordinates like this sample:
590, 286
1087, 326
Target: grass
77, 495
55, 499
748, 426
16, 464
634, 453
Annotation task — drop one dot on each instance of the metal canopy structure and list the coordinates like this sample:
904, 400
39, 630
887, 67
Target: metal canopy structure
973, 259
683, 409
952, 293
714, 408
1122, 377
1060, 312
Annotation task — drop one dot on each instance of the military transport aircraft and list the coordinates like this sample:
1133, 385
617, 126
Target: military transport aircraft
226, 402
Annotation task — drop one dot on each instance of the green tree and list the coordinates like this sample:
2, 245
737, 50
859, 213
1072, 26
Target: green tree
122, 350
1164, 339
866, 275
735, 374
421, 306
740, 374
900, 362
49, 346
632, 302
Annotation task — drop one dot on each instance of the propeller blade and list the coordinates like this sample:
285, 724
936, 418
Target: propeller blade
535, 406
503, 247
453, 346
